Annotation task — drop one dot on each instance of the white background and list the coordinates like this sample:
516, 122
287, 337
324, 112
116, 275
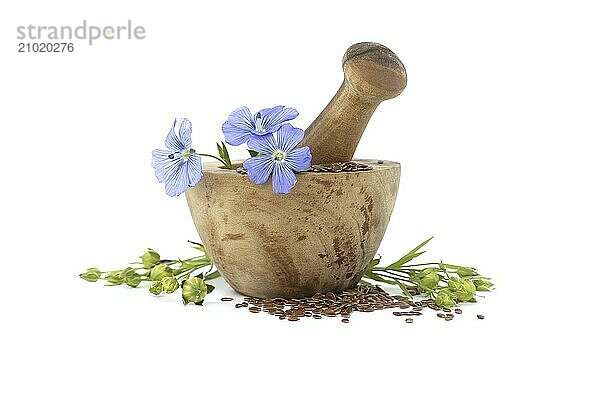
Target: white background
497, 135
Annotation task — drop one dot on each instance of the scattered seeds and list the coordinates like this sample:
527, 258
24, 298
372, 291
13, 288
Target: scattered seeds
362, 298
480, 316
226, 298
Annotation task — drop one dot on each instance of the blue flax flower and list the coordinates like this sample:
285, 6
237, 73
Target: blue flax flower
241, 125
179, 166
278, 157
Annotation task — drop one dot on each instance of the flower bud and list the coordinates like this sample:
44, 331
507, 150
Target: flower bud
444, 299
160, 271
133, 279
466, 291
430, 280
454, 284
91, 274
170, 284
468, 286
482, 285
115, 277
156, 288
194, 290
150, 258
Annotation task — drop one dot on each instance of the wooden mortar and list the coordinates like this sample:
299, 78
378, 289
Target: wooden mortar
321, 236
317, 238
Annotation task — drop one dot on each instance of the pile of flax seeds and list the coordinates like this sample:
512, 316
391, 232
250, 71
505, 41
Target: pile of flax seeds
362, 298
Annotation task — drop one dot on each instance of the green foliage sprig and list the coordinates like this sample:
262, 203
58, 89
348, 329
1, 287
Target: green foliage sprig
163, 276
448, 284
223, 157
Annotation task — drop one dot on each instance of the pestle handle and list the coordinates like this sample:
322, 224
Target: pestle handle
372, 74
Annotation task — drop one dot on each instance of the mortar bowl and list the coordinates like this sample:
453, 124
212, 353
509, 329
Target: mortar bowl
320, 237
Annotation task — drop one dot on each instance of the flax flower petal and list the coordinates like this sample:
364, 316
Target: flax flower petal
299, 159
259, 168
194, 169
164, 163
239, 126
283, 179
263, 144
185, 133
273, 118
172, 142
177, 181
288, 137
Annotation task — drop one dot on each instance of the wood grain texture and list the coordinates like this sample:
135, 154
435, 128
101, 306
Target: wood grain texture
372, 74
317, 238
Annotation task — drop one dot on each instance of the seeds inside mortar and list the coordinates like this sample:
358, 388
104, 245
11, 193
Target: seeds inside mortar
349, 166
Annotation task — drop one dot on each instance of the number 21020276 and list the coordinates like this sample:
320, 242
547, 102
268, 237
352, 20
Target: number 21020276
46, 47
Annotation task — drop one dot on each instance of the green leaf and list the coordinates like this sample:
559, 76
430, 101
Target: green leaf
414, 253
199, 246
212, 275
374, 262
404, 289
371, 275
253, 153
224, 155
189, 264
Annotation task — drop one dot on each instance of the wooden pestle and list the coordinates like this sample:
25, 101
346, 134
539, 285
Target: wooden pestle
372, 74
